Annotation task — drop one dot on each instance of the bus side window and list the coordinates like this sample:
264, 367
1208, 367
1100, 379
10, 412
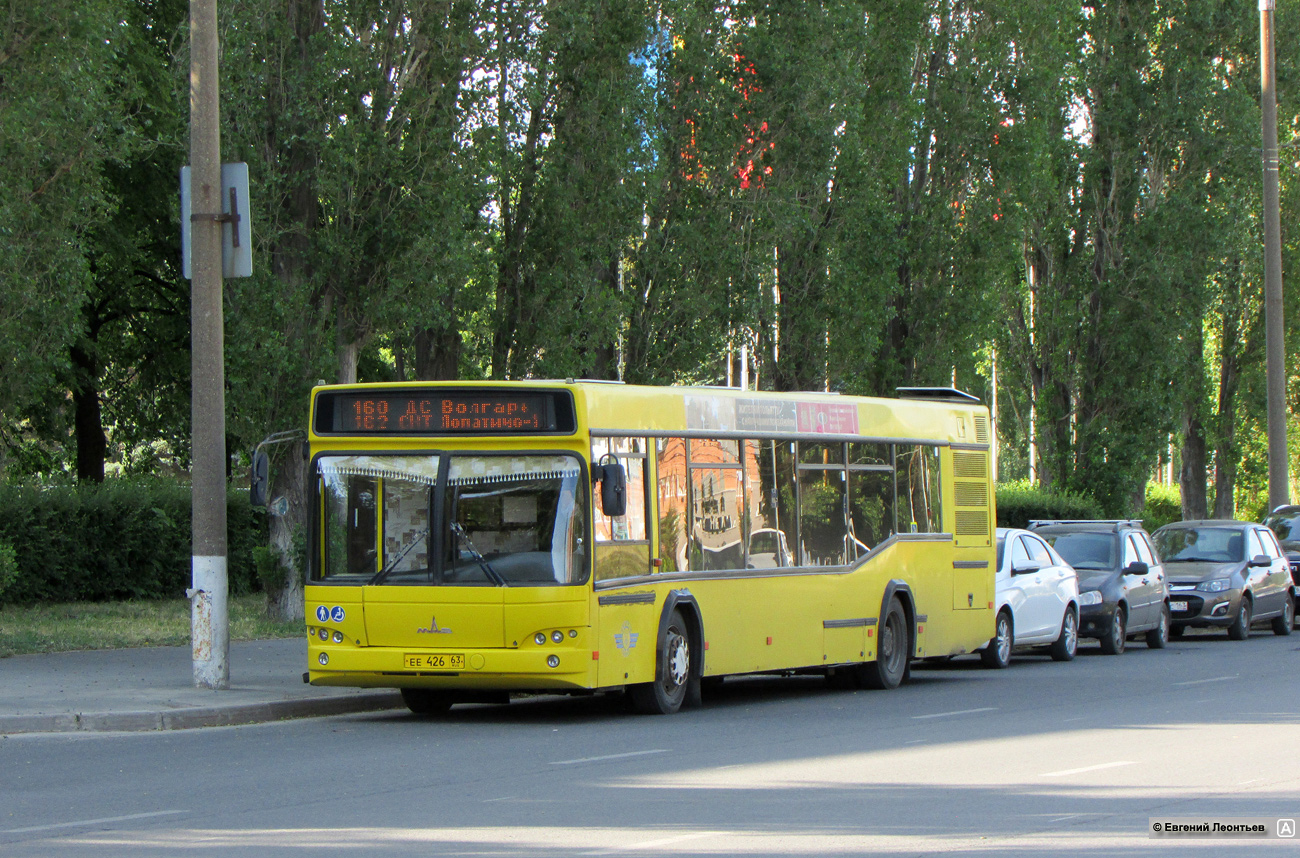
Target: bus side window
717, 505
672, 492
919, 492
871, 495
824, 536
622, 543
769, 522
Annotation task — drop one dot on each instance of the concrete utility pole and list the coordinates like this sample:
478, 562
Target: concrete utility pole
209, 617
1274, 338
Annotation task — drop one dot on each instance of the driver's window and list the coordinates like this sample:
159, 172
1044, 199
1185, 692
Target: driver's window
1130, 552
1038, 551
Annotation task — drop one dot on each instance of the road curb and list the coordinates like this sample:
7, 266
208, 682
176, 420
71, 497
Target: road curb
204, 716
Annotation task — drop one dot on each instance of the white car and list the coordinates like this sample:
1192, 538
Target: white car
1037, 599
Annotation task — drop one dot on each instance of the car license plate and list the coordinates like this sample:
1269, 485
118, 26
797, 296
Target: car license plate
438, 661
1177, 606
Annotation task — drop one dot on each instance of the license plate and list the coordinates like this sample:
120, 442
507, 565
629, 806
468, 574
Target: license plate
1177, 606
440, 661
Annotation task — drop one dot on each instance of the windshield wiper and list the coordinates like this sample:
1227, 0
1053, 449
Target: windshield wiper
392, 564
495, 576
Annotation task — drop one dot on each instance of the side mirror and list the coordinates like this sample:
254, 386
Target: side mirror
613, 488
258, 478
1024, 567
1137, 567
1261, 560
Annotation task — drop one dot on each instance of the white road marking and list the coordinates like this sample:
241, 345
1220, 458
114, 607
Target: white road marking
608, 757
102, 821
958, 712
653, 844
1095, 768
1203, 681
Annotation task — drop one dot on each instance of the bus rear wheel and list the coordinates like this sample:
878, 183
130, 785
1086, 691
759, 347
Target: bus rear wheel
426, 701
673, 671
893, 652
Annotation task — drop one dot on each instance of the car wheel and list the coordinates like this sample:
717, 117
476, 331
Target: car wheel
1240, 628
893, 656
666, 694
1112, 643
426, 701
1159, 636
1282, 625
1064, 647
997, 654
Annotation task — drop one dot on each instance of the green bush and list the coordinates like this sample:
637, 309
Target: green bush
124, 539
8, 566
1020, 503
1164, 504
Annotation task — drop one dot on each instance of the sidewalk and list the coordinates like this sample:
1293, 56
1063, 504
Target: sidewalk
153, 689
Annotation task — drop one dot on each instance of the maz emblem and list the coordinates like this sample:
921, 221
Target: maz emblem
626, 641
433, 628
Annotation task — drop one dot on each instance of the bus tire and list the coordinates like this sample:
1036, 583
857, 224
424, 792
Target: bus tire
673, 672
893, 652
426, 701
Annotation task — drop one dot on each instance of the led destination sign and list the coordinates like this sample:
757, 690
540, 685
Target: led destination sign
442, 412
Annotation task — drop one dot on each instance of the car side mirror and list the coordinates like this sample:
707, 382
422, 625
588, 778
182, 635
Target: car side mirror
258, 478
613, 487
1137, 567
1024, 567
1261, 560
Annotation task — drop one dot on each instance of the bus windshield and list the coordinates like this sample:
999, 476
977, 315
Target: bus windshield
451, 519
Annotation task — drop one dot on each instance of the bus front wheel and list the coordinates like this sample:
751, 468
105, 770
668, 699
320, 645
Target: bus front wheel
893, 655
666, 694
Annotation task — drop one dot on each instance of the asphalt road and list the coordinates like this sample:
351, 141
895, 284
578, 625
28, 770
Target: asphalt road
1042, 758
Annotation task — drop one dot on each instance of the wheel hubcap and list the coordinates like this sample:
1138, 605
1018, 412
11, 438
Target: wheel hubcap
1004, 639
1071, 633
678, 662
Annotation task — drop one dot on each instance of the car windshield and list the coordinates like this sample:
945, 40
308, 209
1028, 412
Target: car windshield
1203, 544
1283, 526
451, 519
1085, 550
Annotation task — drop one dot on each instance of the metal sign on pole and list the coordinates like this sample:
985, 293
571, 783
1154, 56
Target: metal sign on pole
236, 225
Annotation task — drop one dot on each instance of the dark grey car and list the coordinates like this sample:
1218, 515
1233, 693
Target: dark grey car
1122, 590
1285, 524
1226, 574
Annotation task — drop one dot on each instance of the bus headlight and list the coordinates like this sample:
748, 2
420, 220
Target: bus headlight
338, 637
539, 638
557, 636
553, 661
324, 634
323, 658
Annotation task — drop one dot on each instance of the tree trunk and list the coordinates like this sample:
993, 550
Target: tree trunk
92, 446
1191, 474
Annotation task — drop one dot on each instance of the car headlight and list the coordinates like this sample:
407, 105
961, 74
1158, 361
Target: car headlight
1218, 585
1090, 597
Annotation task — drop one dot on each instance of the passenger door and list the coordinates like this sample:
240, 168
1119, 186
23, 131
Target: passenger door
1043, 608
1139, 588
1267, 582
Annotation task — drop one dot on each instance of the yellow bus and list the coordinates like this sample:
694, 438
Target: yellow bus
473, 539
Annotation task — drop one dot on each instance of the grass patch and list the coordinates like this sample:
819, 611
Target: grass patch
117, 625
